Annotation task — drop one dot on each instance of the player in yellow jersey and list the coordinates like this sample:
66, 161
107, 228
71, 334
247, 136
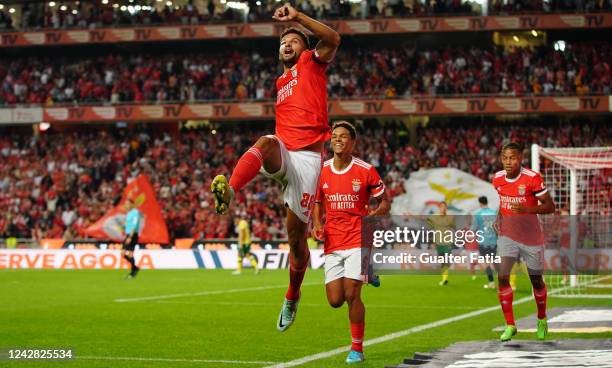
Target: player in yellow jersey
244, 245
441, 223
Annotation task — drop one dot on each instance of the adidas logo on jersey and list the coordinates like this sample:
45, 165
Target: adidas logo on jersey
325, 186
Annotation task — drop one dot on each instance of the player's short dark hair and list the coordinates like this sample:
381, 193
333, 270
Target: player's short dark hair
515, 146
298, 32
348, 126
483, 200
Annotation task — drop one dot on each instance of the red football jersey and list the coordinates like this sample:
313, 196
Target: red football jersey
301, 103
524, 189
345, 195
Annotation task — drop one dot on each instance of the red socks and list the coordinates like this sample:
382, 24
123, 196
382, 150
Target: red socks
246, 169
296, 276
357, 331
540, 298
505, 299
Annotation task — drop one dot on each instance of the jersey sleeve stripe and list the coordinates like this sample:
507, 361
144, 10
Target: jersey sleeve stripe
540, 192
363, 163
366, 166
379, 192
528, 172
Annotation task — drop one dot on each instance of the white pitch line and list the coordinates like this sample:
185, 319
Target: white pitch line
402, 333
210, 361
209, 292
262, 304
585, 296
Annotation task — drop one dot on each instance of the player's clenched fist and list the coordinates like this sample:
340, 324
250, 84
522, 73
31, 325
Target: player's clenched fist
285, 13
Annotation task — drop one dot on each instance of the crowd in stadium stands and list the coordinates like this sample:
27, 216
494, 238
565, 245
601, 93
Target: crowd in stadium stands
404, 71
84, 15
55, 185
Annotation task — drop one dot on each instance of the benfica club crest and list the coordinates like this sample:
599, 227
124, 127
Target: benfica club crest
356, 185
294, 73
521, 189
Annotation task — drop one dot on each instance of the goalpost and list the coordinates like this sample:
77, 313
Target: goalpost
578, 180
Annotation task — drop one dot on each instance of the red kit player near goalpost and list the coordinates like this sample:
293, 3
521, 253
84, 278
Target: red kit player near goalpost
522, 196
293, 155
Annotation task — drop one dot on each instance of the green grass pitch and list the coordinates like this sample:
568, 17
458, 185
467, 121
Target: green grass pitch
78, 309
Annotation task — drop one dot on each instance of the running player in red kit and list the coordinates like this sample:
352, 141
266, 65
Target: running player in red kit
522, 196
345, 188
292, 155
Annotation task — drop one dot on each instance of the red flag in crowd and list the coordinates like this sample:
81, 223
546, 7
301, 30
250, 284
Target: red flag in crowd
153, 227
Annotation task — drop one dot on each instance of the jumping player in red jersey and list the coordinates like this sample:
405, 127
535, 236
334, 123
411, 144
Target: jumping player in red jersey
345, 188
522, 196
292, 155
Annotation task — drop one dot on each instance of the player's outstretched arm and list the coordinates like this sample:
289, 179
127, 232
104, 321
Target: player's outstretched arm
329, 39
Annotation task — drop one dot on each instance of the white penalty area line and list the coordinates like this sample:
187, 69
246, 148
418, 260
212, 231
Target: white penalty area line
171, 360
409, 331
209, 292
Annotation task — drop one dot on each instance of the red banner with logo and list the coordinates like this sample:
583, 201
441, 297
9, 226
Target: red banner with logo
153, 227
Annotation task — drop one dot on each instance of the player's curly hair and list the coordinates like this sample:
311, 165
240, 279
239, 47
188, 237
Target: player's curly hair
348, 126
515, 146
298, 32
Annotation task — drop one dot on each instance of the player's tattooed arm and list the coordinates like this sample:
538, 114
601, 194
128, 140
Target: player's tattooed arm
329, 39
546, 206
383, 206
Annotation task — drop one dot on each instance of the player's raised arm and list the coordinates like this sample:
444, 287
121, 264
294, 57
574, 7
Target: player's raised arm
329, 39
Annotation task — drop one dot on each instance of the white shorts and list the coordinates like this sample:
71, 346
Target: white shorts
532, 255
343, 263
299, 175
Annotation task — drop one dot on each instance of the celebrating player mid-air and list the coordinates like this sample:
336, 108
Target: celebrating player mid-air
345, 189
292, 155
520, 233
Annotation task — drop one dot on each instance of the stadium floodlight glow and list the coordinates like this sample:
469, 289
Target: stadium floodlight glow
63, 8
258, 3
213, 132
123, 8
137, 7
11, 10
515, 38
559, 45
223, 1
44, 126
168, 3
237, 5
104, 2
534, 33
74, 11
115, 6
355, 1
52, 3
1, 6
131, 9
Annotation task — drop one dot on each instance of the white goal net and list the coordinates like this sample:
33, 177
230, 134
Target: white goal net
579, 181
